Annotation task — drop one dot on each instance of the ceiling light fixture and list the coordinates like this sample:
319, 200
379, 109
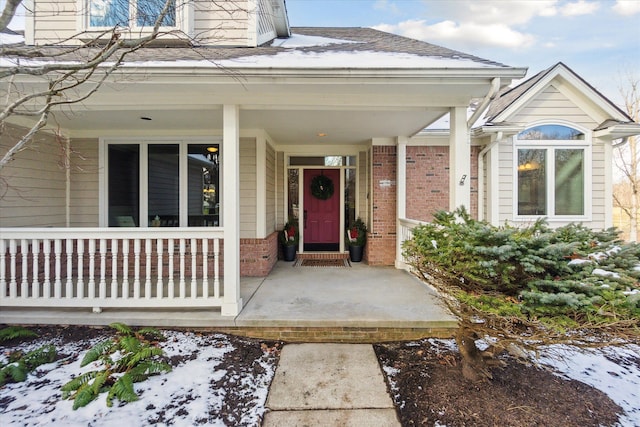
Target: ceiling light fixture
212, 149
146, 118
322, 134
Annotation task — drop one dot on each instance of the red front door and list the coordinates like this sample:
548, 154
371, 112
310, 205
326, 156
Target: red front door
321, 218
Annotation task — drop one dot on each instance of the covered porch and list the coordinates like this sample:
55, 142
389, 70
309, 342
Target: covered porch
293, 303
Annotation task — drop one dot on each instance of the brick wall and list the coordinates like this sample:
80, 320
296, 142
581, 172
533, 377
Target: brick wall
258, 256
428, 181
381, 245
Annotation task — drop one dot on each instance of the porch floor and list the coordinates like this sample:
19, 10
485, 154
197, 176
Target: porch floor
299, 303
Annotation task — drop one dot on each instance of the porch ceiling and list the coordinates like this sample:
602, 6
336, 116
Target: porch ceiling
284, 126
291, 108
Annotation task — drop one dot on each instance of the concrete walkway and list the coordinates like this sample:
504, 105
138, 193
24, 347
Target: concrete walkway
329, 385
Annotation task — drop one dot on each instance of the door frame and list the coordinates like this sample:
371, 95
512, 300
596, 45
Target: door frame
340, 189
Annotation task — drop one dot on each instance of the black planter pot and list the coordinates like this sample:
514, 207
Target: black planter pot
289, 252
355, 253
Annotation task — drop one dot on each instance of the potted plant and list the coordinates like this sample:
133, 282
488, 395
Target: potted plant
357, 238
289, 239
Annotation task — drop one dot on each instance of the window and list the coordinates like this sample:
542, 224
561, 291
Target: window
551, 176
163, 184
111, 13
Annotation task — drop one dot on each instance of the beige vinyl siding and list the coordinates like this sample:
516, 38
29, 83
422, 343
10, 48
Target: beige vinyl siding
84, 183
54, 20
281, 209
505, 181
221, 23
33, 185
215, 22
270, 190
551, 105
248, 188
598, 202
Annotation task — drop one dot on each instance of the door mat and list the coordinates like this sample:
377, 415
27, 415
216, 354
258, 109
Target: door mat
322, 263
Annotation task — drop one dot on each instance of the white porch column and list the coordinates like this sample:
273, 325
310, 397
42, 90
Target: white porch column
401, 194
459, 160
232, 303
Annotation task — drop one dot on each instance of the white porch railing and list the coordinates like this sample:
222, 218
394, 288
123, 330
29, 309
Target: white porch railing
107, 267
404, 233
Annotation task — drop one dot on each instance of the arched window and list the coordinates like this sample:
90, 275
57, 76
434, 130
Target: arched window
551, 178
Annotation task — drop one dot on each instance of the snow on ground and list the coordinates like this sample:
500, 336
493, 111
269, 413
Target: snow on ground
613, 370
189, 395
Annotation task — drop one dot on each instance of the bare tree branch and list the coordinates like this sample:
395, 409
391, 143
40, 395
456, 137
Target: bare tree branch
8, 13
66, 77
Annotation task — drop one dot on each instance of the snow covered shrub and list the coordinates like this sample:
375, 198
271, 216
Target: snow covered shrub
535, 271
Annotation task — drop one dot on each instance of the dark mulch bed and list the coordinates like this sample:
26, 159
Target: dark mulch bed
426, 382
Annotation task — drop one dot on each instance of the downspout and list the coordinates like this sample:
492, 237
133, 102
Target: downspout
493, 91
481, 155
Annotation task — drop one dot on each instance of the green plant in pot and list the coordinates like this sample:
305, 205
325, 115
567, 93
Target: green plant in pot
357, 238
289, 237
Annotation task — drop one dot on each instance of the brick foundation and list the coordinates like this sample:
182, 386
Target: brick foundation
338, 334
258, 256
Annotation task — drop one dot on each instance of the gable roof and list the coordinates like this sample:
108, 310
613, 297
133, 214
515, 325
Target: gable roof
509, 97
348, 47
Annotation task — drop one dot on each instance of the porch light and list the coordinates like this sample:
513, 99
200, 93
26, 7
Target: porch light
212, 149
322, 134
146, 118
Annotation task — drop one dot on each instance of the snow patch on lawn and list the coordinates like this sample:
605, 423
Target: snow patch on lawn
184, 397
613, 370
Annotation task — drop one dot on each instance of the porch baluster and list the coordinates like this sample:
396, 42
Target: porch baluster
69, 283
147, 281
194, 275
216, 268
205, 268
125, 268
102, 291
114, 268
80, 282
57, 283
35, 262
170, 284
182, 267
13, 284
46, 287
24, 285
159, 283
3, 266
136, 268
92, 269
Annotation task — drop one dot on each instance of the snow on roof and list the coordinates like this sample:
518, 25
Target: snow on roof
301, 40
351, 59
7, 39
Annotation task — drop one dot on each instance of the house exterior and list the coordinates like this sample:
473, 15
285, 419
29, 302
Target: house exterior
176, 176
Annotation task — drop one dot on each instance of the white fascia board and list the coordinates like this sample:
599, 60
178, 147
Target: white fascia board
488, 130
618, 131
563, 74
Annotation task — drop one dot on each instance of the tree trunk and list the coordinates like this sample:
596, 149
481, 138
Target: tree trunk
474, 364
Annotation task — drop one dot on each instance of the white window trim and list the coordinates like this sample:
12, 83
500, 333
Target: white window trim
144, 142
550, 146
184, 20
